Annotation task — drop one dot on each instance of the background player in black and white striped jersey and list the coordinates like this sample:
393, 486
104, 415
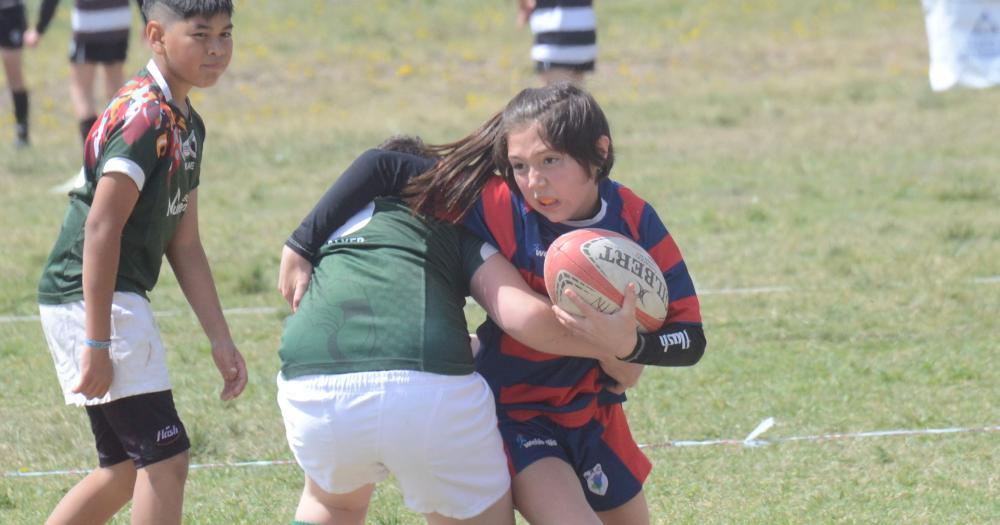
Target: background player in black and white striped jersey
100, 38
12, 26
565, 31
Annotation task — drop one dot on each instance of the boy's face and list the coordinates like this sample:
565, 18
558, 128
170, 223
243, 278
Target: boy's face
197, 50
552, 182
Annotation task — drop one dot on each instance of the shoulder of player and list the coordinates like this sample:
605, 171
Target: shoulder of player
142, 107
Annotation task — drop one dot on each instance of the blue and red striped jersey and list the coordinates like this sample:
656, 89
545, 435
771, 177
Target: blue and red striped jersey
527, 383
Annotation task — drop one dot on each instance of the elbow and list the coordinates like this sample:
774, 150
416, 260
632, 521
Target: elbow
696, 353
697, 349
98, 230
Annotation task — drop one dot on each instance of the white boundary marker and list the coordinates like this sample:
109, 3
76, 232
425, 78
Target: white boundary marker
749, 441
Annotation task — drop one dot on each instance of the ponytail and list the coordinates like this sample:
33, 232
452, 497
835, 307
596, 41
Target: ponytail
453, 185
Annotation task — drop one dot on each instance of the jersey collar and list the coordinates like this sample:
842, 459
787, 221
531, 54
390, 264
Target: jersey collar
598, 217
160, 81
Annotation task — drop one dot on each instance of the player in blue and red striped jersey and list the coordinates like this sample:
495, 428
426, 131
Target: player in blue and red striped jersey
570, 448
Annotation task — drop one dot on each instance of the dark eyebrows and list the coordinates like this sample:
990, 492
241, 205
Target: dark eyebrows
205, 25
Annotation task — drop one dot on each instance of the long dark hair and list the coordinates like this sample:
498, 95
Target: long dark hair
570, 121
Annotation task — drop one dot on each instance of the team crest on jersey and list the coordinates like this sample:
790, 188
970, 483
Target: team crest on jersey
189, 151
597, 481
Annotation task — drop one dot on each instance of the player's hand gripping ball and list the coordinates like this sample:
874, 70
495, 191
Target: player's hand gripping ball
598, 264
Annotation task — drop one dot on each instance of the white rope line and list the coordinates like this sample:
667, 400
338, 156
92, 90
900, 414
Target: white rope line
746, 291
259, 463
751, 440
265, 310
251, 310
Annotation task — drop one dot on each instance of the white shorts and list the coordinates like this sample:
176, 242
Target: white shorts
437, 434
137, 353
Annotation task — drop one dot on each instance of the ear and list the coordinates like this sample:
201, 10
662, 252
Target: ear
155, 33
603, 145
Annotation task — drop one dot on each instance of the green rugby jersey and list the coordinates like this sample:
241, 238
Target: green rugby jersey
143, 135
388, 296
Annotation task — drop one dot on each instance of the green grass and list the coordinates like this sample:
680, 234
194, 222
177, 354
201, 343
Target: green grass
785, 144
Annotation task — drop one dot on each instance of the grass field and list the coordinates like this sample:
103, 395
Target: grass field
842, 223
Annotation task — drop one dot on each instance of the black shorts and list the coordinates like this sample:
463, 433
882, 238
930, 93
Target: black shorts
12, 27
144, 428
97, 52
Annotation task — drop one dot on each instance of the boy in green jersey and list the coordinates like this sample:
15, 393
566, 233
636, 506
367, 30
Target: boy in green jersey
139, 202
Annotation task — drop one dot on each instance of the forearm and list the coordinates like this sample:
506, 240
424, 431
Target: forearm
675, 345
45, 14
101, 250
532, 323
190, 265
527, 316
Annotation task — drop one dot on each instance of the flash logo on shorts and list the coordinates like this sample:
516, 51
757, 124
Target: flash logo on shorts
597, 481
167, 435
523, 442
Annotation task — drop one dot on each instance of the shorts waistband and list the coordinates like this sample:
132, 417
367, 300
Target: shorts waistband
373, 380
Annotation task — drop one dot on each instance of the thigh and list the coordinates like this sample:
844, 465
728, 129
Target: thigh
634, 512
529, 441
137, 351
146, 426
318, 506
500, 513
443, 446
64, 332
332, 431
548, 491
609, 463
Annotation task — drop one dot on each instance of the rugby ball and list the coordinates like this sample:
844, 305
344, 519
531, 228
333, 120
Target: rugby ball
598, 264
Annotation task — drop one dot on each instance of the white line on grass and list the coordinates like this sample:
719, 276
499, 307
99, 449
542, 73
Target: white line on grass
752, 441
168, 313
746, 291
264, 310
749, 441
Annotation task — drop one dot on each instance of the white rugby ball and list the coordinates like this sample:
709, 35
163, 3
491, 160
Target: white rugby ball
597, 264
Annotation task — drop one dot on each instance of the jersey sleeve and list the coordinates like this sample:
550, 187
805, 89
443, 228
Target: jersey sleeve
201, 135
492, 217
136, 145
475, 252
376, 173
680, 341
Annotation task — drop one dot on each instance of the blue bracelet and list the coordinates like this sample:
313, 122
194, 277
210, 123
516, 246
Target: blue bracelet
97, 345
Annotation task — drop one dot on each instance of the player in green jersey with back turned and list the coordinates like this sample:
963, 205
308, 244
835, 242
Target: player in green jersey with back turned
377, 374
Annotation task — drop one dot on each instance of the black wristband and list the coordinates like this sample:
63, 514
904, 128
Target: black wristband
640, 344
